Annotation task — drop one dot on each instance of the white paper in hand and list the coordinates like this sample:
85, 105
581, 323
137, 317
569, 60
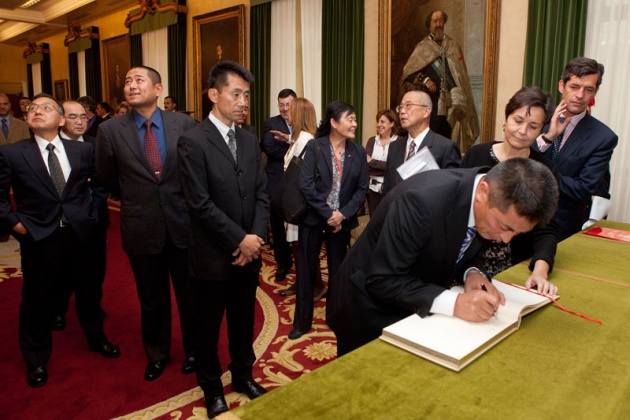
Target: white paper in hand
420, 162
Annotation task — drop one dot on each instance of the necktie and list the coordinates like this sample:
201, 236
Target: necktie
232, 143
470, 235
151, 149
555, 146
5, 129
412, 150
55, 170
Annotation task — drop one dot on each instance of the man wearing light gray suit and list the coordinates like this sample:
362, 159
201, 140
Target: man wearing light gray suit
136, 158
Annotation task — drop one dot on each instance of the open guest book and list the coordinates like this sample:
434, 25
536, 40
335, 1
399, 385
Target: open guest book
453, 342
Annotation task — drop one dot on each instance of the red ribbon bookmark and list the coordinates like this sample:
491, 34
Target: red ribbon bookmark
555, 302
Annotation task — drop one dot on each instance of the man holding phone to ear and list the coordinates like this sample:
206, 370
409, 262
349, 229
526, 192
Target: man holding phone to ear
579, 144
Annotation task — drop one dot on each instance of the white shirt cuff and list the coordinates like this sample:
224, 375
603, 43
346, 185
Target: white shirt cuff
445, 303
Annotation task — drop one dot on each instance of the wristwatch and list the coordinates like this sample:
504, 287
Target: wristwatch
474, 270
545, 139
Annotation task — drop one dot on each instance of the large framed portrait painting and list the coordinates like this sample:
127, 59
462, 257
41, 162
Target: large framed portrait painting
216, 36
456, 67
117, 63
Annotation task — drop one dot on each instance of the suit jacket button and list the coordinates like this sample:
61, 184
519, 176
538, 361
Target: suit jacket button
244, 197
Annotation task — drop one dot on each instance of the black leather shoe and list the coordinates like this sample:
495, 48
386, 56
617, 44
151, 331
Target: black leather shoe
188, 366
37, 377
106, 349
319, 294
58, 323
249, 388
289, 291
281, 274
215, 405
295, 334
154, 370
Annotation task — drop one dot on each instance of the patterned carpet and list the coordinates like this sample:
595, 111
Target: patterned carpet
120, 391
280, 360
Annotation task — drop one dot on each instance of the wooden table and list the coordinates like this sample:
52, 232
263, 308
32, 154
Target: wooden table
556, 365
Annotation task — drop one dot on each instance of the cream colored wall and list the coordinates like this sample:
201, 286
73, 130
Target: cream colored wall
513, 31
370, 82
10, 62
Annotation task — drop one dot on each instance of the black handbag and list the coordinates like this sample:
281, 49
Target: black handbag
288, 201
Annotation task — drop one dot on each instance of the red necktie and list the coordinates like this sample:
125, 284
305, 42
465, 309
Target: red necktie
151, 149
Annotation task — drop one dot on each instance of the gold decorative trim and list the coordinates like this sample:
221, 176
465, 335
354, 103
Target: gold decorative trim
75, 32
34, 48
151, 7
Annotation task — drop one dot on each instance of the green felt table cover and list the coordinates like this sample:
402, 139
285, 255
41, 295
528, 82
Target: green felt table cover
556, 365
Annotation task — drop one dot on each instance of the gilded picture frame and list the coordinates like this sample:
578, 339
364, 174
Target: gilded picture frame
116, 64
61, 90
488, 36
218, 35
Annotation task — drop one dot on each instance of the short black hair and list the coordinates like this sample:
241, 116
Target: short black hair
527, 185
105, 106
217, 77
87, 102
172, 98
285, 93
154, 75
531, 97
334, 111
583, 66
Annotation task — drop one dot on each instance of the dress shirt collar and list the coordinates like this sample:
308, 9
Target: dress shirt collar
418, 140
65, 136
223, 129
156, 119
42, 143
471, 215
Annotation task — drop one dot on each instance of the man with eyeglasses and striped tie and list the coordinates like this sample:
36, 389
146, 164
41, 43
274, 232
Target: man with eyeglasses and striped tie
415, 113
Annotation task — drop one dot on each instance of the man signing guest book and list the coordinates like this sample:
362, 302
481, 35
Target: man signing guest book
426, 236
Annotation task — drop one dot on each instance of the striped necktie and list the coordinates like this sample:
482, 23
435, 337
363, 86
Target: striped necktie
412, 150
470, 235
232, 143
5, 129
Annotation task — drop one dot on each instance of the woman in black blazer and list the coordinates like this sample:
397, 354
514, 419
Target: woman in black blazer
525, 115
334, 181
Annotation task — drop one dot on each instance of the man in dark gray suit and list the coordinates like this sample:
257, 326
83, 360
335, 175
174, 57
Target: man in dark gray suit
275, 144
74, 129
136, 157
426, 235
224, 183
415, 115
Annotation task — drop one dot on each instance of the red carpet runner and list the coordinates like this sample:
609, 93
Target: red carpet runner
84, 385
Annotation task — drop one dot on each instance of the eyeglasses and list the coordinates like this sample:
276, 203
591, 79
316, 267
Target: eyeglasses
284, 106
407, 106
73, 117
44, 108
